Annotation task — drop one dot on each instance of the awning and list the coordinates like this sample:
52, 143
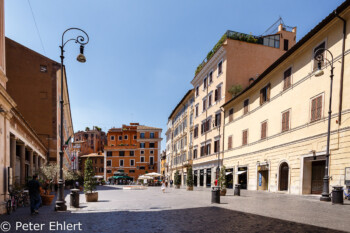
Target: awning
228, 173
121, 177
240, 172
98, 177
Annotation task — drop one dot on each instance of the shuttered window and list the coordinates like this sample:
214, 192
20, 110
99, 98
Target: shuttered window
230, 115
229, 146
216, 146
316, 108
265, 94
287, 79
245, 106
263, 130
245, 137
285, 121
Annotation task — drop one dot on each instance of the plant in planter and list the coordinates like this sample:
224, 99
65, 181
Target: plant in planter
222, 181
49, 173
177, 180
189, 180
90, 182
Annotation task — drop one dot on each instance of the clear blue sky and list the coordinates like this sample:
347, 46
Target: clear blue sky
142, 54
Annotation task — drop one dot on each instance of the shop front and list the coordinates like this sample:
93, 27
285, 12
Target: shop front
208, 177
242, 176
229, 177
263, 177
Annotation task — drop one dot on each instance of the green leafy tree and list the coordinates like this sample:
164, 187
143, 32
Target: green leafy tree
177, 178
222, 178
189, 180
89, 180
235, 89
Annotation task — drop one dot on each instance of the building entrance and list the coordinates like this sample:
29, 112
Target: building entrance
318, 169
208, 177
195, 178
229, 178
284, 172
201, 177
242, 177
263, 177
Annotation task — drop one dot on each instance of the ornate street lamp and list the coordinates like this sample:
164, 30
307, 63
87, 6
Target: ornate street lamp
82, 40
320, 58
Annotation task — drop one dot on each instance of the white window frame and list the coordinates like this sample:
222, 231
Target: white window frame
151, 152
107, 163
125, 137
132, 165
112, 138
323, 106
142, 152
150, 160
120, 163
222, 67
142, 158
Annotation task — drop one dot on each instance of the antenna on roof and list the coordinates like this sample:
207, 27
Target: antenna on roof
273, 29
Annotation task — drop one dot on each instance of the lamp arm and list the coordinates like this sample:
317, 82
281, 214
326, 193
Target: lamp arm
320, 57
79, 39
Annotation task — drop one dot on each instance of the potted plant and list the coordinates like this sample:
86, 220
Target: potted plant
90, 182
177, 180
189, 180
48, 172
222, 181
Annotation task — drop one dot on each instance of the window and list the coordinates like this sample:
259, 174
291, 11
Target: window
142, 152
209, 100
131, 171
132, 153
142, 145
320, 52
218, 119
121, 153
109, 153
245, 106
218, 93
151, 160
132, 162
265, 94
121, 163
219, 68
285, 47
205, 83
125, 137
135, 137
229, 143
43, 69
316, 108
196, 110
263, 130
197, 91
216, 146
285, 121
151, 135
109, 171
120, 138
195, 153
287, 79
142, 135
245, 137
101, 169
151, 152
230, 115
202, 151
142, 168
102, 161
205, 126
204, 104
272, 41
207, 152
109, 163
112, 138
211, 77
142, 159
151, 145
196, 131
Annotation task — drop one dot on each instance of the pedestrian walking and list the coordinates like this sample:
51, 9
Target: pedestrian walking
34, 194
163, 187
171, 183
166, 184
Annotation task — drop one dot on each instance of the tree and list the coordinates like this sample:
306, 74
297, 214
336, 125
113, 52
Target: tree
177, 178
87, 129
89, 180
222, 178
189, 180
235, 89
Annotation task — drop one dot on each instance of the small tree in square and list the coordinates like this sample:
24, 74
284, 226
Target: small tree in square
222, 181
189, 180
177, 179
89, 180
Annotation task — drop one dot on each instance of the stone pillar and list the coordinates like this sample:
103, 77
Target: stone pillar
31, 165
22, 155
36, 163
198, 178
205, 178
13, 144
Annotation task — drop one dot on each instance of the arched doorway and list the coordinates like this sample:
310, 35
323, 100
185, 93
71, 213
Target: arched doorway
284, 172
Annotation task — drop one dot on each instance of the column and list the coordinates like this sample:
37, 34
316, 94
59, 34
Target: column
36, 163
31, 165
198, 178
13, 157
22, 155
205, 178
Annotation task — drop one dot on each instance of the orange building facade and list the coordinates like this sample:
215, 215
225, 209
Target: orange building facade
132, 149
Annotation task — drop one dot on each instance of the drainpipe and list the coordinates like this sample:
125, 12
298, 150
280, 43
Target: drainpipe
342, 68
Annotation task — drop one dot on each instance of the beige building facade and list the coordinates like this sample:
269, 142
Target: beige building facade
276, 129
181, 133
236, 62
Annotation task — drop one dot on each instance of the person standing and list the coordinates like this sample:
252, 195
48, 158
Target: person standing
163, 187
34, 194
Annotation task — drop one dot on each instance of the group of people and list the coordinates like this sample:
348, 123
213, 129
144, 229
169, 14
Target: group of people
165, 184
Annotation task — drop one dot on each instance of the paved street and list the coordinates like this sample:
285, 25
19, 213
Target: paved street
151, 210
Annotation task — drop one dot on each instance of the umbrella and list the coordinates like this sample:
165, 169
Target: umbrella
145, 177
154, 174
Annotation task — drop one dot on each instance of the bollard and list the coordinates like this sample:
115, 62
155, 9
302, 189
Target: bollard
74, 198
337, 195
215, 194
237, 191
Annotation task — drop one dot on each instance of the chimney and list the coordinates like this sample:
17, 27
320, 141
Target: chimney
251, 80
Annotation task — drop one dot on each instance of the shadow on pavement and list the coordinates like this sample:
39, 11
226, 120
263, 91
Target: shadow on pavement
206, 219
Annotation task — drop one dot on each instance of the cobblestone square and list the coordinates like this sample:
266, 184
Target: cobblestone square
178, 210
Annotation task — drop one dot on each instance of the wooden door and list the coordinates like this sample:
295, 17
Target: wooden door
318, 169
284, 171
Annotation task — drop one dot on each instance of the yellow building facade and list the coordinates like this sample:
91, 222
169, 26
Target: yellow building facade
276, 129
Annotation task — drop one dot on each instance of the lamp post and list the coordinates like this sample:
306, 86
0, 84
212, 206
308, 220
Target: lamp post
320, 58
60, 203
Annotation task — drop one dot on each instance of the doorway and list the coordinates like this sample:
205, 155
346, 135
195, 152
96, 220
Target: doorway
195, 178
208, 177
229, 178
318, 170
284, 173
201, 177
242, 177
